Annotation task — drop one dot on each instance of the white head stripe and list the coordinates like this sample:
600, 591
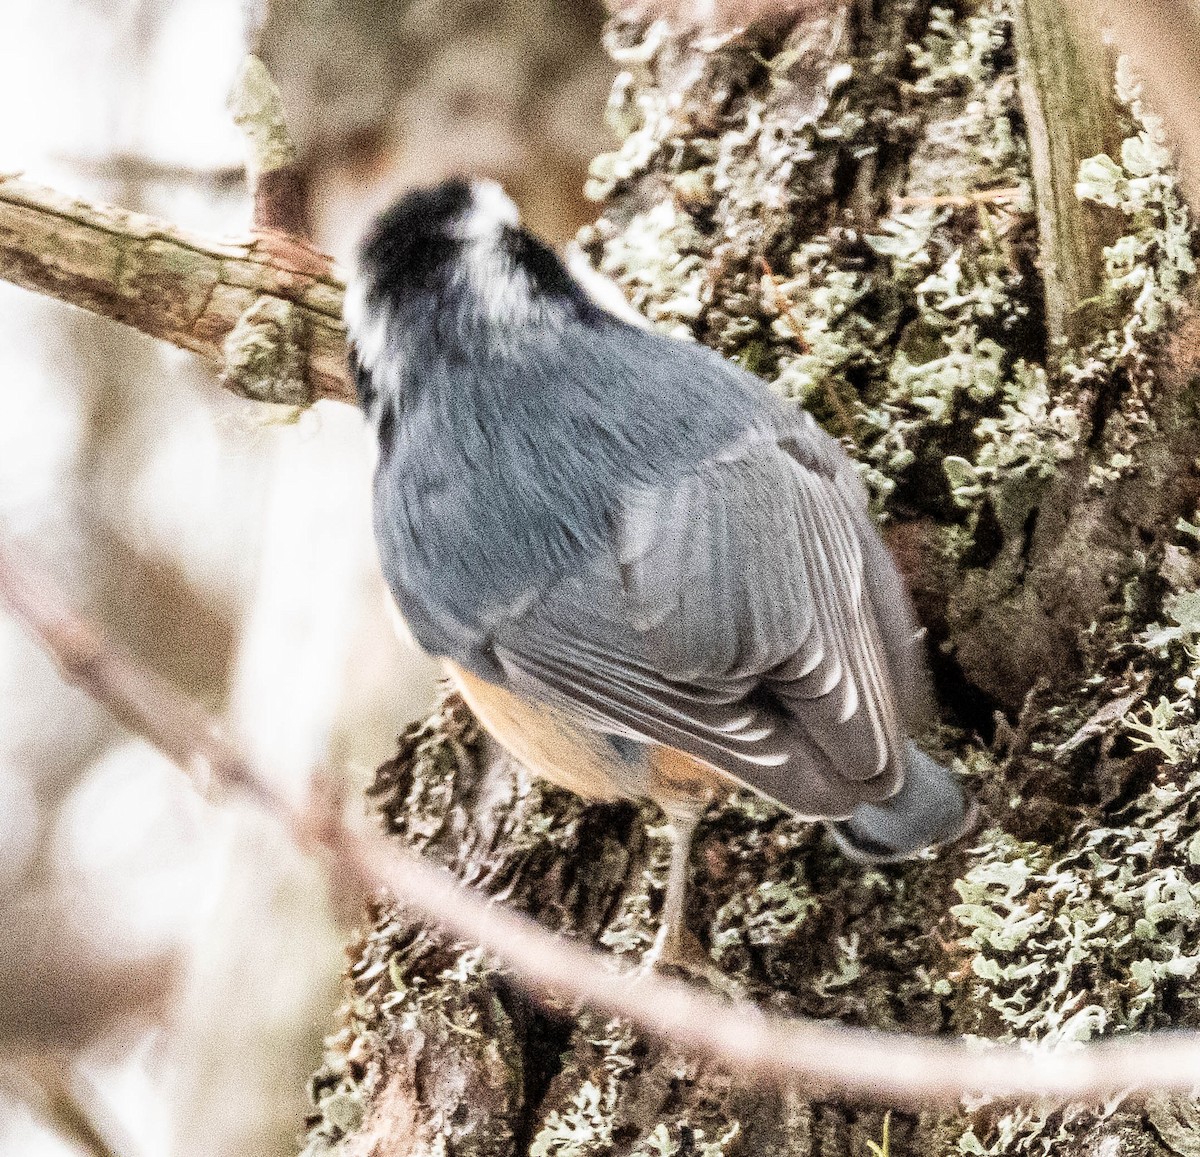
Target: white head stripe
491, 209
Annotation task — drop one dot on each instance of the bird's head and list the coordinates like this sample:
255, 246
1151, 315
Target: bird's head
449, 271
428, 235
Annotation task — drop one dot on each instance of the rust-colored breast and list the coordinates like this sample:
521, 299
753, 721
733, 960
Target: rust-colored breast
573, 756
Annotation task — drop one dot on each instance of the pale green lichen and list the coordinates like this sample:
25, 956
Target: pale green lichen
954, 261
584, 1127
433, 755
1024, 1131
634, 926
814, 310
849, 968
340, 1104
814, 324
431, 1010
1100, 939
1171, 726
1152, 263
266, 353
658, 254
637, 111
1020, 449
1145, 270
257, 109
773, 913
946, 363
661, 1143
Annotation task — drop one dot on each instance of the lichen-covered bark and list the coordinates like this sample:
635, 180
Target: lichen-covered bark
1070, 113
844, 205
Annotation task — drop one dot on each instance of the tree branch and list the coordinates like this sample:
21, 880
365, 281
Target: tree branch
829, 1061
188, 290
67, 1103
275, 181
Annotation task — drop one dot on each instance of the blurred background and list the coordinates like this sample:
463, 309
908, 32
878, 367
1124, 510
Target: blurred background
168, 966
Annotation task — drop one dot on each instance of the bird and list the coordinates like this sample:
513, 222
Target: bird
648, 574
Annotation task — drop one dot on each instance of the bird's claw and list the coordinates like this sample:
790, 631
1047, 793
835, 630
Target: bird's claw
675, 949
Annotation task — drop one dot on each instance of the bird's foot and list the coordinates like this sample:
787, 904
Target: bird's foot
678, 950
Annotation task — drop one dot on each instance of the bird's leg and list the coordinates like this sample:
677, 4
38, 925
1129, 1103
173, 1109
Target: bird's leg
672, 945
683, 788
675, 946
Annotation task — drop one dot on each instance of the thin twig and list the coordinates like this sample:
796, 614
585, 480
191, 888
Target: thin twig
962, 200
827, 1060
271, 158
125, 166
68, 1103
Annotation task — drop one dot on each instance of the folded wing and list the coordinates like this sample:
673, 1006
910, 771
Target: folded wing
748, 615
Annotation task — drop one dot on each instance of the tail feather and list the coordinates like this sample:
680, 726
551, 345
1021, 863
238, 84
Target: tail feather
932, 808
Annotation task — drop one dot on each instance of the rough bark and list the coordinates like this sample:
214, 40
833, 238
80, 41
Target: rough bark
1070, 113
844, 206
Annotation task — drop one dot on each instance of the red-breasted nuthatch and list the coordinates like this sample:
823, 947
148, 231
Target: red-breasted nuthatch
648, 574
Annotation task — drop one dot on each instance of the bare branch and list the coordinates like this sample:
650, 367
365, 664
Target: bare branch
128, 166
829, 1061
257, 109
188, 290
68, 1103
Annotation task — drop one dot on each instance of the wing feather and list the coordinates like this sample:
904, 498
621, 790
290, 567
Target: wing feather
737, 619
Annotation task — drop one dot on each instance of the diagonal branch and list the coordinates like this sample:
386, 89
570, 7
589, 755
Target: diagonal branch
831, 1061
188, 290
68, 1103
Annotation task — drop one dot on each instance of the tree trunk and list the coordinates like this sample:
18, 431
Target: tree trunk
965, 257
